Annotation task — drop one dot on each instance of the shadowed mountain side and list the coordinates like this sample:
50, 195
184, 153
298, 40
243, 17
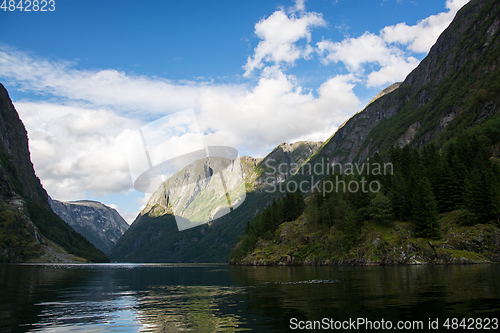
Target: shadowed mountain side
29, 229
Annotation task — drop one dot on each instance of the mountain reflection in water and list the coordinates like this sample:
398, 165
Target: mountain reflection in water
219, 298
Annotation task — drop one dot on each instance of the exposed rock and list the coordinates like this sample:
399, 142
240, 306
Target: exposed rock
281, 163
406, 138
449, 116
386, 91
457, 51
100, 224
197, 193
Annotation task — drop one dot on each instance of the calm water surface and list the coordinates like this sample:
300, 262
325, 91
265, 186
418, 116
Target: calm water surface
219, 298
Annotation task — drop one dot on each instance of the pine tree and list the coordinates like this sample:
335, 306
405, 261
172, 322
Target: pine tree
399, 196
424, 212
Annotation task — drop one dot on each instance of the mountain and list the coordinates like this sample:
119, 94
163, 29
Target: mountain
100, 224
154, 235
29, 229
457, 85
441, 201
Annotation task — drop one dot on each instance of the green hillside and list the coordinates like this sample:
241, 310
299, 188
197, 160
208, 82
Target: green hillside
440, 206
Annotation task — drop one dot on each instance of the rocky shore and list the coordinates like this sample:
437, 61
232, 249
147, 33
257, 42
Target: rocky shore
295, 243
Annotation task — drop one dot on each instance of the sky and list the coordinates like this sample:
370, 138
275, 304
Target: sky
86, 74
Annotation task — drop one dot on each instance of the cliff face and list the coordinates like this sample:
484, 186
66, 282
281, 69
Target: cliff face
100, 224
281, 163
198, 193
29, 230
14, 141
434, 102
154, 235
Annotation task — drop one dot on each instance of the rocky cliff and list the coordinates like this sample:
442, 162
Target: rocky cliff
29, 230
100, 224
436, 100
281, 163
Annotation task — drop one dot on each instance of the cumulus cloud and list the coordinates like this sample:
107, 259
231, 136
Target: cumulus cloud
369, 48
388, 57
75, 149
420, 37
279, 34
354, 52
275, 109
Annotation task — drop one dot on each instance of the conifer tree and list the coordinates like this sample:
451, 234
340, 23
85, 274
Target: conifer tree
424, 212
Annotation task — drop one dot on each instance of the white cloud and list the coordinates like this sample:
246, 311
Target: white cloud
354, 52
279, 34
389, 56
393, 70
75, 149
419, 38
138, 94
277, 109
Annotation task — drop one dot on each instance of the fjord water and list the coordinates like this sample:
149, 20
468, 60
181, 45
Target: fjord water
208, 298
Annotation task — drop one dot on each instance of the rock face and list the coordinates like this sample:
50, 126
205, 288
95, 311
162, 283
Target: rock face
100, 224
281, 163
154, 236
28, 227
14, 140
198, 193
436, 98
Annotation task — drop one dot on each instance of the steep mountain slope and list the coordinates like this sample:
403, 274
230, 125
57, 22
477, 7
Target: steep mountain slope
154, 236
442, 203
28, 226
456, 86
100, 224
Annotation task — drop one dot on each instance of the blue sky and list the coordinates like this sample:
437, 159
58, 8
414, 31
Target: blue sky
256, 73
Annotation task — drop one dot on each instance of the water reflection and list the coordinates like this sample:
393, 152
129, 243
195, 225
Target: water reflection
176, 308
218, 298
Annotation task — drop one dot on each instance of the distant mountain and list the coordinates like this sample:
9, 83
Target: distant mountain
100, 224
154, 236
29, 229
